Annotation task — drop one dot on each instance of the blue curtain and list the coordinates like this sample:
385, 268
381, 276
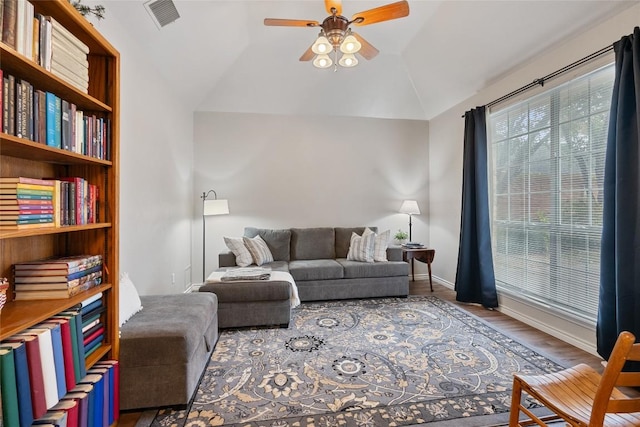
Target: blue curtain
475, 280
619, 308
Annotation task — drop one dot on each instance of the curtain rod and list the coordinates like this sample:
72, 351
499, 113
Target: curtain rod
556, 73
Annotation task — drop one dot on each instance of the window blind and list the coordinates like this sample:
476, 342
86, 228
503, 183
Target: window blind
547, 163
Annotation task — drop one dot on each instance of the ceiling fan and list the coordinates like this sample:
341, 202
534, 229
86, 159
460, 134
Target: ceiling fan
335, 34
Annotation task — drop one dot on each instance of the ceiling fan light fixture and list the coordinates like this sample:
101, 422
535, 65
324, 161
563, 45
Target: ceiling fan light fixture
322, 61
348, 60
321, 46
350, 45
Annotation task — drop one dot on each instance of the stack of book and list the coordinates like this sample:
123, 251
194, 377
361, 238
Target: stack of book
45, 381
26, 203
92, 326
57, 278
69, 57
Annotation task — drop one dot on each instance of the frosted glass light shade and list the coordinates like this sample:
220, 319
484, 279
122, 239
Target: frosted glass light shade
410, 207
322, 61
348, 60
215, 207
321, 46
350, 45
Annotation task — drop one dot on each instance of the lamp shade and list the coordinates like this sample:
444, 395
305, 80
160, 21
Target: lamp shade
410, 207
322, 61
215, 207
350, 45
321, 46
348, 60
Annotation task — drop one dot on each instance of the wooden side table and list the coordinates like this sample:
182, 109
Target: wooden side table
421, 254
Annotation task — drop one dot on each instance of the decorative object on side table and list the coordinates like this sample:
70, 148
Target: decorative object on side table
401, 237
410, 207
210, 207
4, 285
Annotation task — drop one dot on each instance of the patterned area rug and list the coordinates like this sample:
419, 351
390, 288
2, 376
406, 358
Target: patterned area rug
375, 362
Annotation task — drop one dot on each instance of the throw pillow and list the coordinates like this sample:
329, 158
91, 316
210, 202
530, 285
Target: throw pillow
236, 245
381, 244
259, 250
129, 299
361, 248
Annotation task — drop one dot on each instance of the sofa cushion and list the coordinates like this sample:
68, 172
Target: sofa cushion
259, 250
315, 269
168, 330
237, 246
356, 269
278, 241
361, 248
246, 291
343, 238
312, 243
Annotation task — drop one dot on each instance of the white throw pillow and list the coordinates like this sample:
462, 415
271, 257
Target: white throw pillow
130, 302
381, 244
259, 250
361, 247
236, 245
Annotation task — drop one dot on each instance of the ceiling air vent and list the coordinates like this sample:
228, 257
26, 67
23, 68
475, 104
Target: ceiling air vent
163, 12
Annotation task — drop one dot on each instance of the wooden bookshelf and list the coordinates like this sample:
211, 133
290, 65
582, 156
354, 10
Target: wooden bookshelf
22, 157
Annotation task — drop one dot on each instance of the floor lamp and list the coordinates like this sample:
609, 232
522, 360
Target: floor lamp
410, 207
210, 207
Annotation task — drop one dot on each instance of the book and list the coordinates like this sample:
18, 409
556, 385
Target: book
58, 356
70, 263
30, 295
5, 216
9, 22
17, 203
103, 371
91, 306
26, 180
50, 101
26, 276
82, 401
114, 386
74, 320
57, 28
71, 408
36, 376
24, 226
47, 360
23, 385
9, 389
67, 349
52, 418
91, 300
65, 126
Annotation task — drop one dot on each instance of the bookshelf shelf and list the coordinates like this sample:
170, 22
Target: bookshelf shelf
51, 230
13, 146
19, 315
13, 62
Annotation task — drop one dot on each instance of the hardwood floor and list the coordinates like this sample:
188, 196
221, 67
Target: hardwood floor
540, 341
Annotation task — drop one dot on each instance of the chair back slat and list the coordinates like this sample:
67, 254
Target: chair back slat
628, 379
624, 405
634, 353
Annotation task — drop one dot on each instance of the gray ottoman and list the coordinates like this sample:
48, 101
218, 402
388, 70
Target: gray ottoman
164, 349
252, 303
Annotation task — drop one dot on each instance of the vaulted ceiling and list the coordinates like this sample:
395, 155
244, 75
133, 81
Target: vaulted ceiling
222, 58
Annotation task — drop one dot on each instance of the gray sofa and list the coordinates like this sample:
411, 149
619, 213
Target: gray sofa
316, 258
164, 349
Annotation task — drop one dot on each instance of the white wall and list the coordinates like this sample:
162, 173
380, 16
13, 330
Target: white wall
445, 167
156, 178
281, 171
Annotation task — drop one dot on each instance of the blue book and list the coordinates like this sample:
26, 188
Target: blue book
96, 399
87, 308
93, 345
23, 384
50, 121
82, 273
58, 358
107, 404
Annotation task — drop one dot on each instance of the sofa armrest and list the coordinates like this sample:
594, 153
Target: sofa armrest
228, 259
394, 253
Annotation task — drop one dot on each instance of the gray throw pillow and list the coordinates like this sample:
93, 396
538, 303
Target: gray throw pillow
278, 241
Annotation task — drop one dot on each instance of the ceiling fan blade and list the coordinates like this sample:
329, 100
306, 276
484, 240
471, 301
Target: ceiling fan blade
274, 22
383, 13
307, 55
331, 4
367, 50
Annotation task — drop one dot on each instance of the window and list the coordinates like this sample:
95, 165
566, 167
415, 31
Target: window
547, 160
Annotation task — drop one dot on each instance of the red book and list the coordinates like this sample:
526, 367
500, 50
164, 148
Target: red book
93, 336
36, 377
67, 351
71, 407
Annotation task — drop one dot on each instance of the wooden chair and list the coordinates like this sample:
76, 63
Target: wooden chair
580, 395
